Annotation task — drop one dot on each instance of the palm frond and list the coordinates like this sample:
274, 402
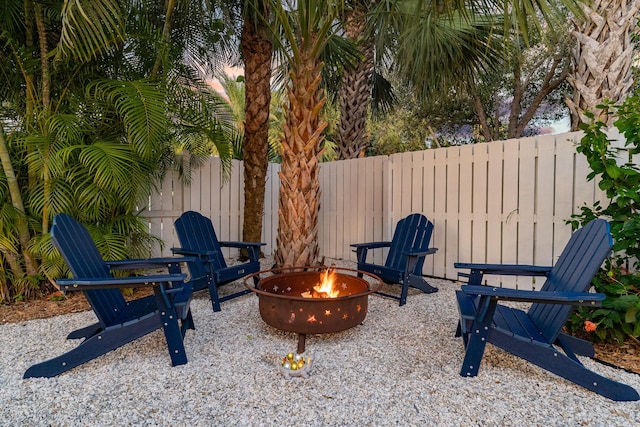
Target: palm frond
11, 16
458, 46
59, 198
141, 105
90, 28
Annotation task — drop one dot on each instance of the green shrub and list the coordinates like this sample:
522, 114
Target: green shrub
619, 279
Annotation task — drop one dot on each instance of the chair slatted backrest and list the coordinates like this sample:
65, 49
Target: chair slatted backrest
578, 263
412, 233
85, 262
196, 233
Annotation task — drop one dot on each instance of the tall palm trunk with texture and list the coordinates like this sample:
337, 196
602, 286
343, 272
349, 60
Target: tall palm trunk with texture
257, 50
602, 59
355, 90
299, 203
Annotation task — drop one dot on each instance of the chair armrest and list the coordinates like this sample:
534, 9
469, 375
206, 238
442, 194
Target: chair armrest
371, 245
506, 269
138, 264
421, 253
124, 282
361, 249
241, 245
193, 253
570, 298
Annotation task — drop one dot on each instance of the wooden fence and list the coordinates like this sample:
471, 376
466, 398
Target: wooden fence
499, 202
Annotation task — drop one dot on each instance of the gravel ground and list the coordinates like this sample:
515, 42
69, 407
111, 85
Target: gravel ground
400, 367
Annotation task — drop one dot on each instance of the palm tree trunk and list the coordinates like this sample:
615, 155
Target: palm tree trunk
299, 203
44, 57
355, 89
28, 75
46, 105
16, 199
166, 37
602, 58
257, 51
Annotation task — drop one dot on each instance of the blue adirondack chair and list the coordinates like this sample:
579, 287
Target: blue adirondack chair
407, 251
533, 335
198, 239
119, 321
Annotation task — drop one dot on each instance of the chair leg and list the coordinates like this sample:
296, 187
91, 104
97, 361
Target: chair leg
213, 294
404, 292
474, 350
575, 345
173, 335
93, 347
463, 334
85, 332
476, 340
419, 283
415, 282
187, 323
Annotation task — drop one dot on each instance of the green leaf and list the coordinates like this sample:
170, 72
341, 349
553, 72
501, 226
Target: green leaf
90, 28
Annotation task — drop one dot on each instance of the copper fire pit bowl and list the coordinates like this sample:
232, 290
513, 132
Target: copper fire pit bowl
283, 306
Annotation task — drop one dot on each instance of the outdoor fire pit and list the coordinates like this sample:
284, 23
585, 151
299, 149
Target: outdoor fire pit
313, 300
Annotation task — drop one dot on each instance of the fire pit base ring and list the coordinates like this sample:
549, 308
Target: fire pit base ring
282, 305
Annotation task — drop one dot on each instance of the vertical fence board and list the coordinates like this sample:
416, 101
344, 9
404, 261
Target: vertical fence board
452, 217
205, 190
439, 216
465, 197
351, 214
368, 212
494, 237
325, 207
379, 177
360, 217
564, 189
270, 210
334, 223
479, 206
509, 211
341, 206
428, 191
545, 183
526, 214
270, 218
417, 179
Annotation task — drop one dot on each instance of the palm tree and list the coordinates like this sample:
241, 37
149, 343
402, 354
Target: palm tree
308, 32
257, 51
356, 83
603, 58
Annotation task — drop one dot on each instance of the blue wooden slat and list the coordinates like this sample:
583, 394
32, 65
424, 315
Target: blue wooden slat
516, 322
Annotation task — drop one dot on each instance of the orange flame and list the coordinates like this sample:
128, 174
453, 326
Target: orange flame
326, 288
328, 284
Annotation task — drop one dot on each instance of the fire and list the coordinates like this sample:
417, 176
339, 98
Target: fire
326, 288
